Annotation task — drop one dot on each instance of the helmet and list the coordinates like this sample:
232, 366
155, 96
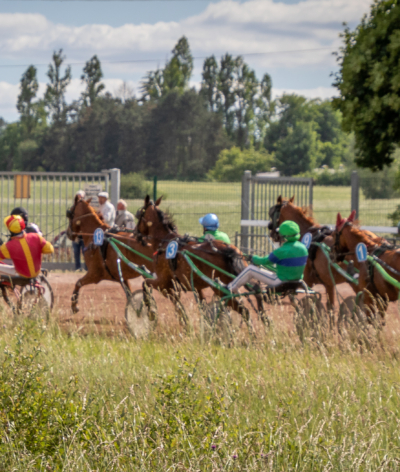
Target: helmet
21, 212
15, 224
290, 230
210, 222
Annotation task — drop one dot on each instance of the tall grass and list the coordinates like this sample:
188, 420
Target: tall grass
174, 403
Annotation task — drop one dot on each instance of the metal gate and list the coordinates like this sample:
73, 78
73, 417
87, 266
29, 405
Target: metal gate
259, 194
46, 196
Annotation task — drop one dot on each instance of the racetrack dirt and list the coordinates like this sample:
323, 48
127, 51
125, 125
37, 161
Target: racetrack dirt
102, 308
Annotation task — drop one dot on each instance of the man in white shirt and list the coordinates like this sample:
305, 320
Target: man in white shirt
106, 209
124, 218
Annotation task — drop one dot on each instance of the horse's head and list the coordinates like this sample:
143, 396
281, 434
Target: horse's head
343, 232
278, 214
153, 221
79, 210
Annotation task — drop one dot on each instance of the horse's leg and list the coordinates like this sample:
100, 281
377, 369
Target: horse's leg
87, 279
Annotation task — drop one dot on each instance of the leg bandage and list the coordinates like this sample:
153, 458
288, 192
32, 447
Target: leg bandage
253, 272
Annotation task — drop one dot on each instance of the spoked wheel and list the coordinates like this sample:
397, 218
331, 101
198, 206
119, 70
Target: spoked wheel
139, 321
11, 295
36, 299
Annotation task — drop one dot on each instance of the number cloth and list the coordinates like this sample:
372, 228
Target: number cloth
218, 235
26, 253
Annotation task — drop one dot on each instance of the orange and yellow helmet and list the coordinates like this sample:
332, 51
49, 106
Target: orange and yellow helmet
15, 223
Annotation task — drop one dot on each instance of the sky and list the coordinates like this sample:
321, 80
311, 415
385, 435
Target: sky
291, 40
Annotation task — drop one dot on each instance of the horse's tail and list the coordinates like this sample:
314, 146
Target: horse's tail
234, 258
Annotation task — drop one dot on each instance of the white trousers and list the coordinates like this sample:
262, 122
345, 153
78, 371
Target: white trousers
253, 272
6, 269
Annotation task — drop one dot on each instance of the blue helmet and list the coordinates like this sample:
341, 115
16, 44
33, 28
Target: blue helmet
210, 222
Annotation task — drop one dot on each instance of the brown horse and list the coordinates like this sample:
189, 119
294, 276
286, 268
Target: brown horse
317, 267
159, 228
346, 237
102, 262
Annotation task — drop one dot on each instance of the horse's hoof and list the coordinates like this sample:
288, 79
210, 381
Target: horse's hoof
74, 309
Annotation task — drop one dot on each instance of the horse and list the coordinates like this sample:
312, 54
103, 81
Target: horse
317, 267
160, 229
101, 261
346, 237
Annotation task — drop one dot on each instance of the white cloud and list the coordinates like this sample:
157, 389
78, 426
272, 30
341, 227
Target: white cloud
253, 26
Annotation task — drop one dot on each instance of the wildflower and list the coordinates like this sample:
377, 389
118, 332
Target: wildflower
234, 456
213, 447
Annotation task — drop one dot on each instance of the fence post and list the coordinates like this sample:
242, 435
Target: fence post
355, 193
155, 188
115, 175
310, 193
245, 211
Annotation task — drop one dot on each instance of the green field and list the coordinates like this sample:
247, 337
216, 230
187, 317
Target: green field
71, 403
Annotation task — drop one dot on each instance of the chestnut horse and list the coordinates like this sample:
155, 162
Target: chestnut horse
346, 237
102, 264
316, 270
159, 228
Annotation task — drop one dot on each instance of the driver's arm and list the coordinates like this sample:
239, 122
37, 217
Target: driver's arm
267, 261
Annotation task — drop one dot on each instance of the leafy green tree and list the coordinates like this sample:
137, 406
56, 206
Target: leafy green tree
369, 84
10, 139
174, 77
91, 77
233, 162
55, 92
25, 105
233, 90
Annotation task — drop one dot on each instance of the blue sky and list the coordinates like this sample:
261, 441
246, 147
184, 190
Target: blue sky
298, 37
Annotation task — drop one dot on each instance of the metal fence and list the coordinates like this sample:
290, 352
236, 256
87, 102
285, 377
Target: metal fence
46, 196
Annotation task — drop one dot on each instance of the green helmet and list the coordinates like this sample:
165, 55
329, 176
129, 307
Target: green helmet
290, 230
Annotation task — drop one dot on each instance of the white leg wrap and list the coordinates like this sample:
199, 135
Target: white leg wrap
253, 272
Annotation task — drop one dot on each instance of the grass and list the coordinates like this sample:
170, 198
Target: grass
94, 403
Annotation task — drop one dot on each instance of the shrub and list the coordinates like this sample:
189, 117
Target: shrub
233, 162
377, 185
135, 185
326, 178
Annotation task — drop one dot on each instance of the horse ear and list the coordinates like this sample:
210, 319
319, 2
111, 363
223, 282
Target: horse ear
352, 216
339, 220
280, 199
76, 199
291, 200
89, 200
158, 201
147, 201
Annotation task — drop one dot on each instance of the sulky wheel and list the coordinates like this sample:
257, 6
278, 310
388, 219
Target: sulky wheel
138, 321
36, 299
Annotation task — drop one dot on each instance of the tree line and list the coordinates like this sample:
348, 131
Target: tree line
170, 129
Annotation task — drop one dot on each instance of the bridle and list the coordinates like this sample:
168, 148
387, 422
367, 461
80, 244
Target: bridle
275, 214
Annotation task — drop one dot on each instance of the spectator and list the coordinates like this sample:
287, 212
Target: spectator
78, 244
106, 210
124, 218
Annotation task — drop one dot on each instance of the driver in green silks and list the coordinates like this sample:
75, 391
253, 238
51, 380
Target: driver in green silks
285, 264
210, 222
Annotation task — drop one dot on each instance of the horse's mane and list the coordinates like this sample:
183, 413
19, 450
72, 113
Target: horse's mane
365, 238
166, 219
94, 213
235, 259
305, 212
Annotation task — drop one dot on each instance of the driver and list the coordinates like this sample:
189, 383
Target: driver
288, 261
210, 223
29, 227
25, 250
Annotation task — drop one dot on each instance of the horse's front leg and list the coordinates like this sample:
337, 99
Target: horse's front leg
87, 279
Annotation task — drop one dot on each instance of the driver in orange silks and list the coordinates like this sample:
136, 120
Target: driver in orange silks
24, 249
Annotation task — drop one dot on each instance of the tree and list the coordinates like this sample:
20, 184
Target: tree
92, 75
369, 84
55, 92
209, 85
174, 77
25, 105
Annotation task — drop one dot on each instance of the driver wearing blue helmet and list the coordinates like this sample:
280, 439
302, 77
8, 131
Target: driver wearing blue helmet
210, 223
